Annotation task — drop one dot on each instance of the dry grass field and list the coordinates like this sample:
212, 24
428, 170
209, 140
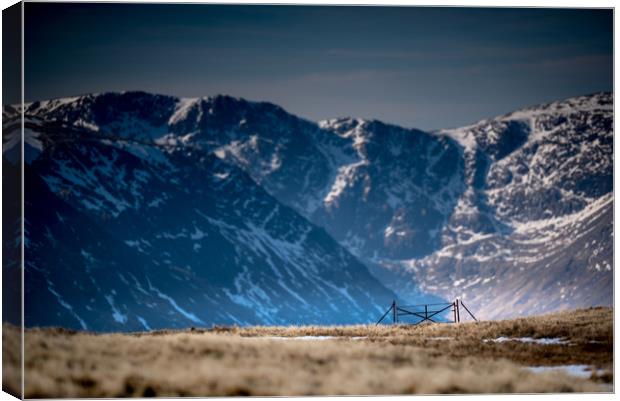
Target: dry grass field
430, 358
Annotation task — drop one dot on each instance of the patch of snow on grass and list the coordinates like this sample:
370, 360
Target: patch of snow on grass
542, 341
309, 338
582, 371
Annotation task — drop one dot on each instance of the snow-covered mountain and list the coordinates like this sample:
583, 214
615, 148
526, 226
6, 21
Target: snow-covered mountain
531, 230
531, 226
534, 231
224, 198
123, 234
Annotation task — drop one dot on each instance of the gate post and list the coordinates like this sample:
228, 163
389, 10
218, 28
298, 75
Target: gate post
394, 312
454, 310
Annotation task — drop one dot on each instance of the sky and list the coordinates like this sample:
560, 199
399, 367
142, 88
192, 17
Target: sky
427, 68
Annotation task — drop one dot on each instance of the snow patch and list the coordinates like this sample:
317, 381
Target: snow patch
144, 323
542, 341
173, 303
182, 109
582, 371
310, 338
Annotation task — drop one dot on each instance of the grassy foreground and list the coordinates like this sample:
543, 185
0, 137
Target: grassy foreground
433, 358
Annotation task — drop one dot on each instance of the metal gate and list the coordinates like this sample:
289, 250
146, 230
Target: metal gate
426, 313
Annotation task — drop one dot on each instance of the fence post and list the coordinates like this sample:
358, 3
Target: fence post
454, 310
458, 312
394, 316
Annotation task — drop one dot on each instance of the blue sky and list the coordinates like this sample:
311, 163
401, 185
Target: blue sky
417, 67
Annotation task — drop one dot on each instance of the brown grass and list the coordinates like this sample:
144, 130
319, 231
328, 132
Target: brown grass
589, 332
391, 360
11, 361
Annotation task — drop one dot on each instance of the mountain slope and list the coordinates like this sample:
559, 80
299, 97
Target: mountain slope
155, 236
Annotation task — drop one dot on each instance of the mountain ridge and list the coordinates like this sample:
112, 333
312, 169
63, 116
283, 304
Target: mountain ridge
403, 201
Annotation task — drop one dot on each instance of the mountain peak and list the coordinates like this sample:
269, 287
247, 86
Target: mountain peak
491, 130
